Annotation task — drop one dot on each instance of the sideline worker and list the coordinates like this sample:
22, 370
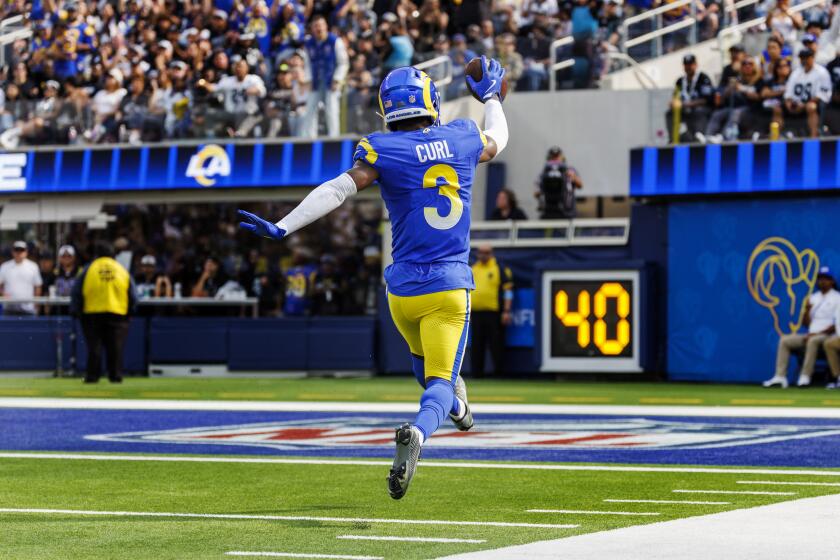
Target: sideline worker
493, 291
103, 297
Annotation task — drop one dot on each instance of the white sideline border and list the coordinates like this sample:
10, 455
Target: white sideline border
410, 539
426, 464
482, 408
242, 516
299, 555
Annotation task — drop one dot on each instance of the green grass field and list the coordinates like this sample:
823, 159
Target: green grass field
332, 509
334, 491
404, 389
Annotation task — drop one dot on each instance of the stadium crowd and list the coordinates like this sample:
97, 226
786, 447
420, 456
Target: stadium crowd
146, 70
197, 250
790, 88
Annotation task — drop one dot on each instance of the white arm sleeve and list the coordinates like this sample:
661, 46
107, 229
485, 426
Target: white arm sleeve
320, 202
495, 124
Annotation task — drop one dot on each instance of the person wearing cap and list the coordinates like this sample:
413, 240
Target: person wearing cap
808, 89
151, 283
825, 41
490, 310
103, 298
818, 317
327, 68
831, 347
731, 70
62, 51
66, 272
693, 98
557, 186
85, 34
20, 278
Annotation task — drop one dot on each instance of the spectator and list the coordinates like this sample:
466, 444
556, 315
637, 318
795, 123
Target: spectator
133, 111
741, 95
808, 89
773, 91
20, 278
824, 45
775, 52
693, 95
831, 117
328, 65
211, 279
367, 282
557, 185
831, 346
67, 271
818, 318
330, 288
535, 48
510, 60
401, 50
507, 207
432, 21
242, 92
282, 104
491, 306
104, 298
361, 95
460, 56
46, 265
733, 69
784, 23
300, 280
105, 104
151, 283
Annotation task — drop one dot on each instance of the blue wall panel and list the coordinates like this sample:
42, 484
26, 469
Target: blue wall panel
738, 275
341, 343
182, 340
268, 344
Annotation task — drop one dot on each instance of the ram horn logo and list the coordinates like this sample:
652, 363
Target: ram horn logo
781, 278
210, 162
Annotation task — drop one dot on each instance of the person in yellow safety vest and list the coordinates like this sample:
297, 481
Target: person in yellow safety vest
103, 298
492, 301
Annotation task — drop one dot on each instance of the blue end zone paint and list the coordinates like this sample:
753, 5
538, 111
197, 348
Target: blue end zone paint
65, 430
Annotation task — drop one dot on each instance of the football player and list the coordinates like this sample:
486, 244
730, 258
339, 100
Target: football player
425, 171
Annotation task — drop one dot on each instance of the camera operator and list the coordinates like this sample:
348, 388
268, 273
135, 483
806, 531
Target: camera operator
556, 187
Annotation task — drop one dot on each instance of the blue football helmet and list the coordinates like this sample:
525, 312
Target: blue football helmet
408, 93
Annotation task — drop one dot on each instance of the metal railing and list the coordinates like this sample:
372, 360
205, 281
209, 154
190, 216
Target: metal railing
445, 62
737, 28
251, 302
12, 29
659, 32
551, 233
555, 66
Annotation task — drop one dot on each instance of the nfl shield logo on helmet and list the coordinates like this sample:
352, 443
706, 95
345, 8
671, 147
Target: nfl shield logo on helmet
389, 104
412, 99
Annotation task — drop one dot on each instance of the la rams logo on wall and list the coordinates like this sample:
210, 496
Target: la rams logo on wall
358, 432
780, 277
210, 162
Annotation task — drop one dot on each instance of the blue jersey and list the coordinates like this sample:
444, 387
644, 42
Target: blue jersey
299, 281
426, 181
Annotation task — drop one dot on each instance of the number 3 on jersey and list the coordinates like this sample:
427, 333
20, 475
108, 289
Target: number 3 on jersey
448, 189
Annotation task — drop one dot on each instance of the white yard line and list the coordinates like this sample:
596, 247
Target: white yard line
586, 512
787, 483
744, 492
409, 539
284, 518
686, 502
793, 530
425, 464
482, 408
300, 555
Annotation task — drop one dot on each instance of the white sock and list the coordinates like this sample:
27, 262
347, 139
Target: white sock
462, 409
419, 433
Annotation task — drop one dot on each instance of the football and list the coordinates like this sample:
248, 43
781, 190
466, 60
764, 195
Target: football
475, 70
